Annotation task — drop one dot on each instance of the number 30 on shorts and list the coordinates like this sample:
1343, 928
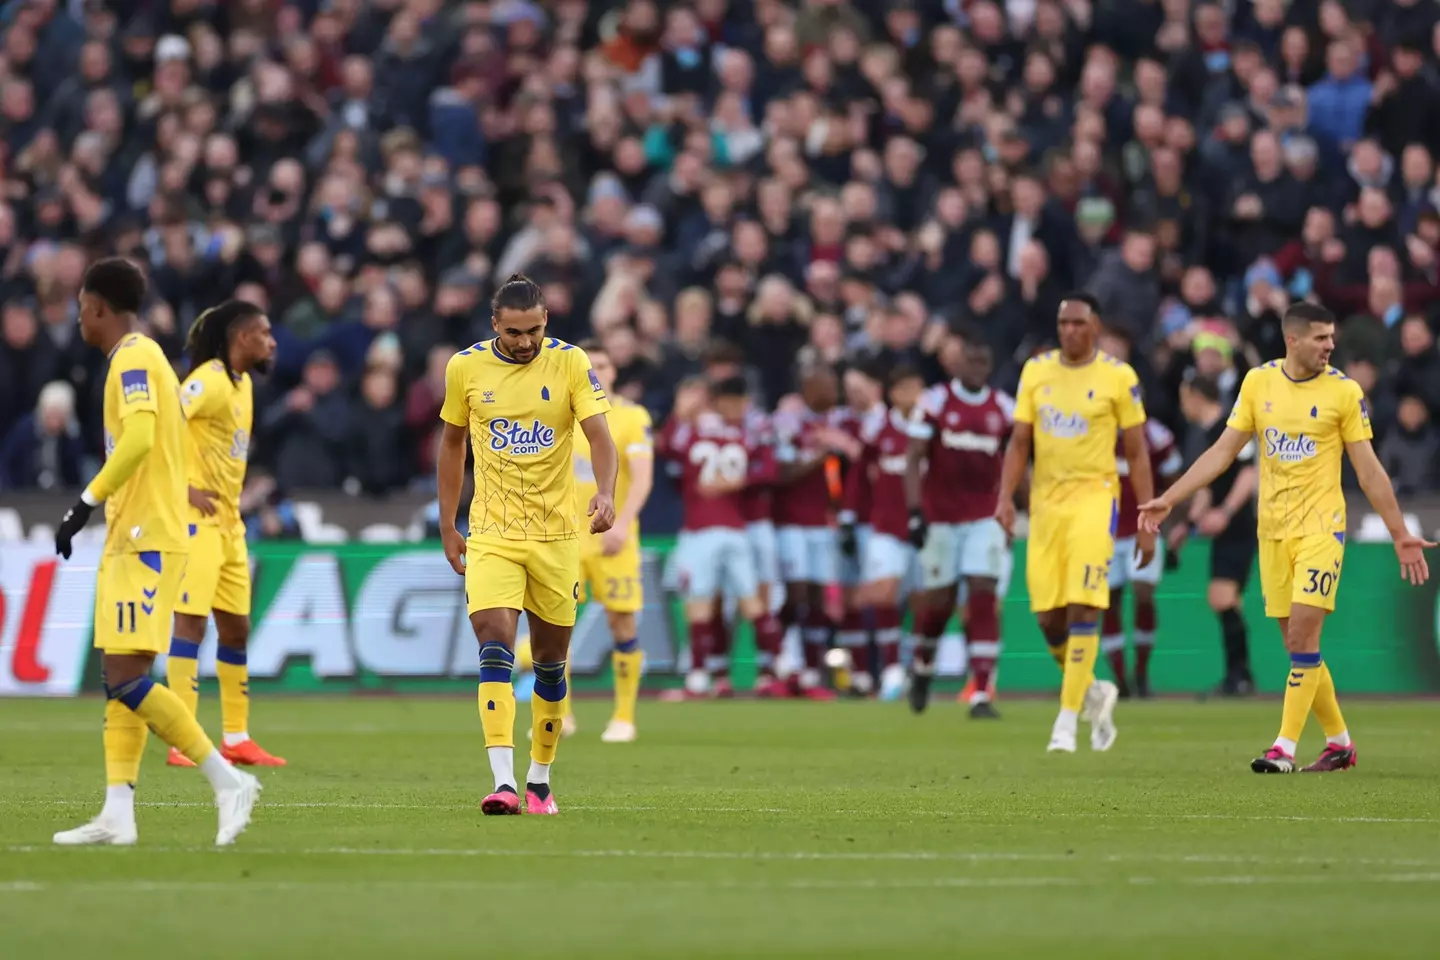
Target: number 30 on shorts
1321, 582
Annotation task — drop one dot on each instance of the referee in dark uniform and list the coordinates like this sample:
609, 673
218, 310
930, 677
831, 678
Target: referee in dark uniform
1225, 513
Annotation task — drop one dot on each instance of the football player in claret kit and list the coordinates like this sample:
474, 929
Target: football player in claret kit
1165, 463
1071, 404
610, 562
957, 444
518, 398
809, 542
146, 544
887, 562
865, 398
226, 343
1303, 414
716, 557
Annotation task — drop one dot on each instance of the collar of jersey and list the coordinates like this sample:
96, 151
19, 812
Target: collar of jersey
1286, 374
974, 399
494, 344
898, 420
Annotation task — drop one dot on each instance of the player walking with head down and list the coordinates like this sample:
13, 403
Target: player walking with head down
226, 343
517, 398
1302, 413
146, 544
1071, 403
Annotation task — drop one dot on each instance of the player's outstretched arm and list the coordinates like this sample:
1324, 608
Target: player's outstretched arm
1210, 465
1137, 456
136, 440
1017, 458
449, 477
607, 466
1409, 548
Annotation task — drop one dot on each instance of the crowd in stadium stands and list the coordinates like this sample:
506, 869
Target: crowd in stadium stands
779, 183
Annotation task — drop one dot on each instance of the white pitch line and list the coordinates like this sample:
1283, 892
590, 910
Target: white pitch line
795, 856
925, 883
888, 815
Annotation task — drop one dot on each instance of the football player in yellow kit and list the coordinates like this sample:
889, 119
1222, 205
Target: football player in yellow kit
610, 561
1303, 415
226, 343
146, 544
518, 398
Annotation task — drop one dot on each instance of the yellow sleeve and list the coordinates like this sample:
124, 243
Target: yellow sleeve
1354, 413
456, 408
586, 396
201, 395
1242, 415
135, 368
131, 448
638, 439
1025, 394
1129, 408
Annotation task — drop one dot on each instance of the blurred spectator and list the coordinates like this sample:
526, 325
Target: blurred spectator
43, 450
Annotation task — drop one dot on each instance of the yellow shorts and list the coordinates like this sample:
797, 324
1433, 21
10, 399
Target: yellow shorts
135, 596
1067, 559
1303, 570
613, 582
218, 575
542, 577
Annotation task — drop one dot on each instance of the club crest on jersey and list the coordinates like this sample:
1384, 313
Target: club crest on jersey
519, 440
135, 385
1288, 449
1058, 423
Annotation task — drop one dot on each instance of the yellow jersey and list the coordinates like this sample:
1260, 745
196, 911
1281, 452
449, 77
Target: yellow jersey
1301, 428
631, 429
522, 420
1076, 411
148, 511
219, 412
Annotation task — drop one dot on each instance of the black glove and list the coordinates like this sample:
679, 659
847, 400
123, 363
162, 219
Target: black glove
849, 546
72, 523
919, 529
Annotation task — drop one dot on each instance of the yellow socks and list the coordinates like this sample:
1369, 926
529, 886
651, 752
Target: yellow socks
1301, 687
165, 713
182, 672
1327, 710
497, 711
1080, 651
626, 661
547, 709
233, 671
125, 736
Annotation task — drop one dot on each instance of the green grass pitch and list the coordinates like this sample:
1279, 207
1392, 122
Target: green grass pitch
738, 830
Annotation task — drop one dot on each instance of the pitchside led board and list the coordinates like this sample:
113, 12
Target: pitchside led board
392, 617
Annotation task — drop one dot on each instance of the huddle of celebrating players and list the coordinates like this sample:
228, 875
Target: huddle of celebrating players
927, 509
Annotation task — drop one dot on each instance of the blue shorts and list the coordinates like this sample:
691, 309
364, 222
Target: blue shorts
809, 554
714, 562
889, 558
761, 534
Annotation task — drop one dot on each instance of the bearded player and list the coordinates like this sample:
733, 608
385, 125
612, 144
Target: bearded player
146, 545
951, 482
226, 343
1303, 413
809, 543
1071, 404
887, 563
610, 561
518, 398
715, 555
1165, 464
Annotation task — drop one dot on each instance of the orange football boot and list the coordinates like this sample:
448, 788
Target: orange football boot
178, 759
248, 753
